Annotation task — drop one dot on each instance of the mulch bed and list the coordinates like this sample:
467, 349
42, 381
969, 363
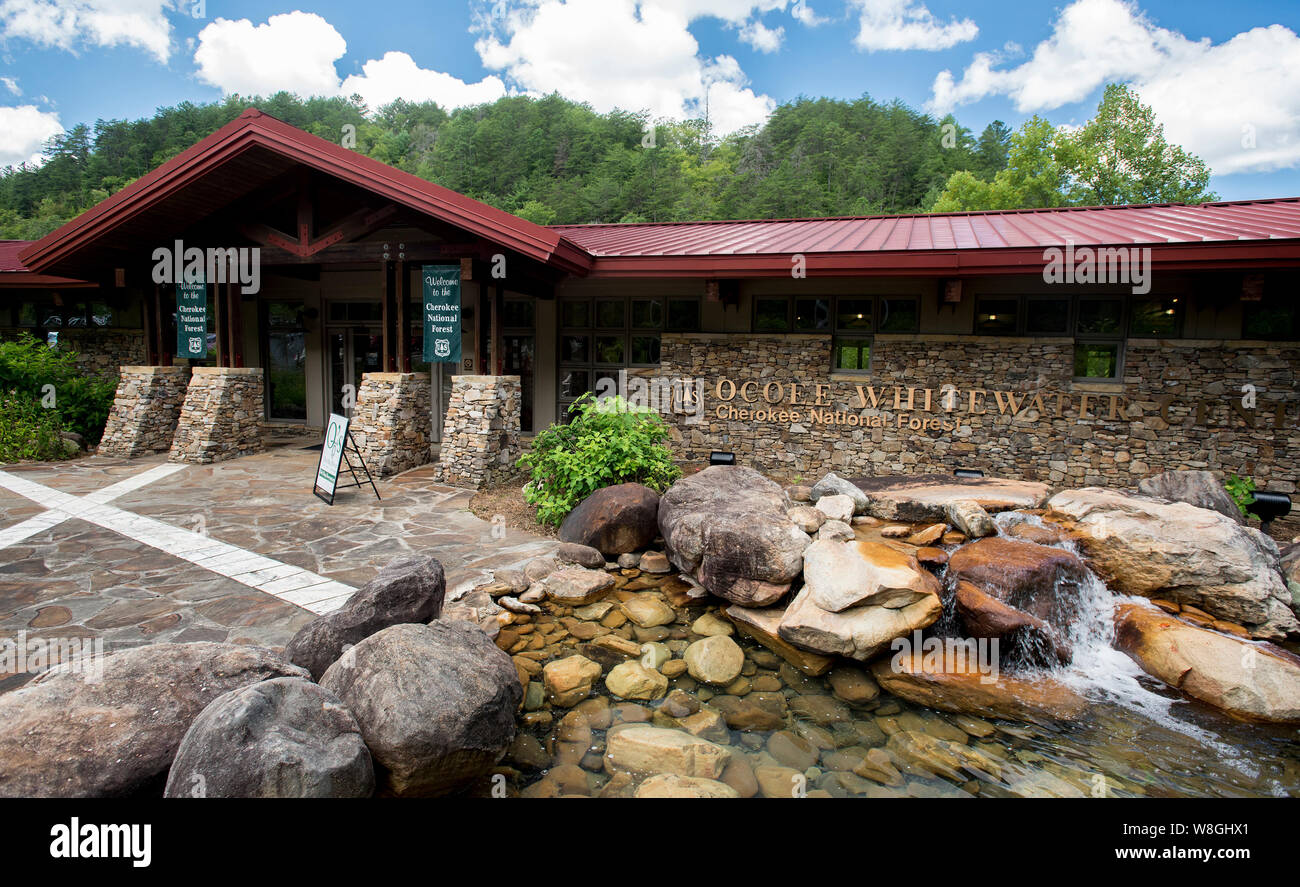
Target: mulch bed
507, 500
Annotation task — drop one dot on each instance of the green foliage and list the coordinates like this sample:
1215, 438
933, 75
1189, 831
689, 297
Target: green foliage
80, 402
554, 161
1119, 156
1242, 491
606, 442
28, 430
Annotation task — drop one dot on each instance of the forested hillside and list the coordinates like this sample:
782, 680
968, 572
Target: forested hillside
552, 160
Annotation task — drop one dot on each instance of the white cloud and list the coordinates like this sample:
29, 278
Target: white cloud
907, 24
804, 14
294, 52
1212, 98
23, 132
623, 54
69, 24
11, 84
397, 76
761, 37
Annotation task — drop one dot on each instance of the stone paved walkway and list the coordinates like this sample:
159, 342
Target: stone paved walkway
123, 558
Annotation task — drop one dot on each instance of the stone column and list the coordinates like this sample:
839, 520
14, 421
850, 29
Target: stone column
222, 416
392, 421
480, 436
145, 411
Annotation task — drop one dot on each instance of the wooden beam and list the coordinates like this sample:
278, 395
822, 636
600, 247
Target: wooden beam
403, 333
386, 354
498, 305
304, 246
236, 325
363, 252
219, 321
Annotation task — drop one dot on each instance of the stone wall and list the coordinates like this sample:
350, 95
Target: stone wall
99, 351
480, 434
145, 410
222, 416
1014, 411
391, 421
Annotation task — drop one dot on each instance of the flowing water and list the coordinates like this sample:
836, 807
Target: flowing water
1136, 738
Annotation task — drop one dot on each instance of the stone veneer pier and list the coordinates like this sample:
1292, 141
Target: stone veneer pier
222, 415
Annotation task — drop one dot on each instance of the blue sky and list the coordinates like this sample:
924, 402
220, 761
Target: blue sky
1224, 78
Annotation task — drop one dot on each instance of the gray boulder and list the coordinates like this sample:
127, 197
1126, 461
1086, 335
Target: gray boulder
727, 526
1199, 488
614, 520
834, 485
409, 589
436, 704
77, 734
282, 738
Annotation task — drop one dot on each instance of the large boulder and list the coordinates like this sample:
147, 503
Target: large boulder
282, 738
577, 586
436, 704
840, 575
1027, 639
78, 733
727, 526
857, 632
1252, 680
1182, 553
409, 589
1199, 488
834, 485
763, 625
954, 684
614, 520
927, 497
1291, 572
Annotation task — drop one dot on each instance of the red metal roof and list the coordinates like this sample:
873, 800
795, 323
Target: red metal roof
979, 242
255, 129
13, 273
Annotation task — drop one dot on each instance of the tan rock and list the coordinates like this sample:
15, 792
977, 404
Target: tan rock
632, 680
761, 625
568, 681
928, 535
644, 749
668, 785
857, 632
839, 575
780, 782
966, 690
577, 586
648, 611
710, 625
715, 660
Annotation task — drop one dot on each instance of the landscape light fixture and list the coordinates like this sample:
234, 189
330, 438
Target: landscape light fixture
717, 458
967, 472
1268, 507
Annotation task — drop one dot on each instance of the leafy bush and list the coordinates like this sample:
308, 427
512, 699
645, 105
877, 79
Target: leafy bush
605, 442
1242, 491
28, 430
81, 402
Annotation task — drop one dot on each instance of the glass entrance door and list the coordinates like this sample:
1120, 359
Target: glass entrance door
353, 352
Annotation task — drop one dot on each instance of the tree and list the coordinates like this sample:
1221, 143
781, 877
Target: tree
1119, 156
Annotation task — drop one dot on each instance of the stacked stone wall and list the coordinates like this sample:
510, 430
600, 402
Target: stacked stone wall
391, 421
222, 415
146, 409
480, 434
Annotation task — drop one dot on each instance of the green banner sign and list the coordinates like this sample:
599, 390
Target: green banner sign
441, 313
192, 320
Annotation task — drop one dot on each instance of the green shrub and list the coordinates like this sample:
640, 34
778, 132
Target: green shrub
28, 430
605, 442
1242, 491
81, 401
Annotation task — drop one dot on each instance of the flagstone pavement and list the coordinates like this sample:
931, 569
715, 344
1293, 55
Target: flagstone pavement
145, 551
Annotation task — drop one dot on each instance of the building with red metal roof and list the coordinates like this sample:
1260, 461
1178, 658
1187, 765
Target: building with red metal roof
1097, 344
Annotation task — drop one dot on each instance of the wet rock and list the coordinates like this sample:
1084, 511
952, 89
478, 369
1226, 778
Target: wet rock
780, 782
926, 497
514, 605
629, 561
840, 575
409, 589
878, 766
1183, 553
740, 776
515, 579
644, 749
614, 520
577, 586
282, 738
756, 712
632, 680
1047, 534
715, 660
582, 555
727, 526
836, 507
1199, 488
857, 632
568, 681
526, 753
928, 535
948, 686
792, 750
806, 518
970, 518
821, 710
762, 625
1256, 681
655, 562
1022, 636
539, 568
436, 704
1037, 579
834, 485
648, 611
710, 625
852, 685
594, 612
62, 735
835, 531
939, 757
667, 785
931, 557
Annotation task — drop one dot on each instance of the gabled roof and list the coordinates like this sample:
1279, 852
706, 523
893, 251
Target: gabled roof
13, 273
1252, 230
253, 129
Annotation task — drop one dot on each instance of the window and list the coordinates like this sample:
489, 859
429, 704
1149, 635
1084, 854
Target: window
852, 354
286, 357
1047, 317
1100, 317
854, 314
997, 317
771, 315
43, 313
1269, 318
812, 315
683, 315
1098, 330
611, 314
899, 316
1096, 360
1154, 317
647, 314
